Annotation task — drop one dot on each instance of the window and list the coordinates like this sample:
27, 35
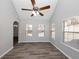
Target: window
28, 29
71, 31
41, 30
52, 31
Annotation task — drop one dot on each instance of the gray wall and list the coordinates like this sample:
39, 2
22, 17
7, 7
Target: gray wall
7, 17
65, 9
34, 38
25, 18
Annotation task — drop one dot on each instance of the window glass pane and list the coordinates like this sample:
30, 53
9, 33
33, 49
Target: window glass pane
52, 31
41, 30
28, 29
71, 31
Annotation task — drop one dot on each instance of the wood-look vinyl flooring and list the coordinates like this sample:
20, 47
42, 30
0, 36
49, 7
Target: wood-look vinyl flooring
34, 51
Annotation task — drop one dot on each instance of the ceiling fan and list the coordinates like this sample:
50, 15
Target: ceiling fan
36, 10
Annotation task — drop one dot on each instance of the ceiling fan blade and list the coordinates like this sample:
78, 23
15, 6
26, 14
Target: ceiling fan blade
46, 7
41, 14
32, 14
33, 2
27, 9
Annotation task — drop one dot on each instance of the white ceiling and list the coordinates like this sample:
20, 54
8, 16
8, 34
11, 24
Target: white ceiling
18, 4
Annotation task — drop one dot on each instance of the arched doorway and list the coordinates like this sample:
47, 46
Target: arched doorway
15, 32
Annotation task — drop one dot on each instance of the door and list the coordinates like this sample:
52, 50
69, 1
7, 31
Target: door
15, 33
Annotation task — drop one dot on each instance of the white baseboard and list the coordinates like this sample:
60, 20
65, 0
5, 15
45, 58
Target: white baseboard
6, 52
61, 51
31, 41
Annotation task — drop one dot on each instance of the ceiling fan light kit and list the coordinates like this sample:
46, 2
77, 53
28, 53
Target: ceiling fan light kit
35, 13
36, 10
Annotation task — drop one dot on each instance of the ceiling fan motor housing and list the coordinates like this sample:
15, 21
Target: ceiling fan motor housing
36, 9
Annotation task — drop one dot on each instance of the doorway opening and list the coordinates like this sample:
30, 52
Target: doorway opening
15, 32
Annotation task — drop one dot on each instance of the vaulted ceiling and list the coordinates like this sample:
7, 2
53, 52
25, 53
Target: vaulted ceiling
25, 15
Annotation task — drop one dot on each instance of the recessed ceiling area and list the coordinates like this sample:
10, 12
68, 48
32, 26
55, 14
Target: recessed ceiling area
24, 15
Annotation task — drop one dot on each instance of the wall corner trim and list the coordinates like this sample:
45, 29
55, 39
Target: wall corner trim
6, 52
